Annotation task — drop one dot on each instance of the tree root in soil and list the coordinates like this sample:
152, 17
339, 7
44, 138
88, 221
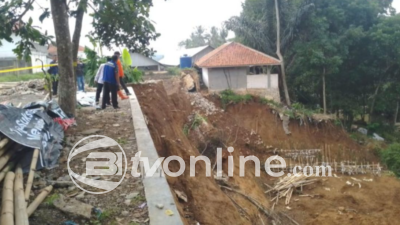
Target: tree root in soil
273, 216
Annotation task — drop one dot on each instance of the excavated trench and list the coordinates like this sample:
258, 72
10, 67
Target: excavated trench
188, 124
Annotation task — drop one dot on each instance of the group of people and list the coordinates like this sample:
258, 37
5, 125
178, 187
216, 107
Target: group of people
109, 80
80, 75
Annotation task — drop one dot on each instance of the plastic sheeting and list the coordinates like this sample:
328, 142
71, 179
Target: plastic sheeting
34, 128
86, 98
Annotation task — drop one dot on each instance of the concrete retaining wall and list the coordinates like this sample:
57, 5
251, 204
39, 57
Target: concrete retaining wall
157, 189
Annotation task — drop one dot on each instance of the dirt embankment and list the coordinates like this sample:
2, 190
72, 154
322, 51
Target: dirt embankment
253, 129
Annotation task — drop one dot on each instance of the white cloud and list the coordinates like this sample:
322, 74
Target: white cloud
174, 19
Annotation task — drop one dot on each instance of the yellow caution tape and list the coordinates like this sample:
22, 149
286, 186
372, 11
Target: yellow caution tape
26, 68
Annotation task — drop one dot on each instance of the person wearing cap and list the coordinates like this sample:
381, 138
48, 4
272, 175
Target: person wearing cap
121, 77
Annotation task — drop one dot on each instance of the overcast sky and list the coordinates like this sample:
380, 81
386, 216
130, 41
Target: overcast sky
174, 19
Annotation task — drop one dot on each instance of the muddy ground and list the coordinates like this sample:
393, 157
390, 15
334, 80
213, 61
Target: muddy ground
254, 129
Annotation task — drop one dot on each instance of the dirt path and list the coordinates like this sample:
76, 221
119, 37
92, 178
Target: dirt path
124, 205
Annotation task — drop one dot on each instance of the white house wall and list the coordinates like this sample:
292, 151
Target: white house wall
205, 76
227, 78
261, 81
41, 56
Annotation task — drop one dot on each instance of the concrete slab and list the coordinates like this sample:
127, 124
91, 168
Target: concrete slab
157, 190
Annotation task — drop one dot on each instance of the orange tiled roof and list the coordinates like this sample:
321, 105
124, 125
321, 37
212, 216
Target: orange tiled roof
236, 55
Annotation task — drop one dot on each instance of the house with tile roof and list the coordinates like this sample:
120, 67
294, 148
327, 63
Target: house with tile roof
228, 67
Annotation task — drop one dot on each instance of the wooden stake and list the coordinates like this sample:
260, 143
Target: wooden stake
21, 217
7, 203
31, 174
39, 199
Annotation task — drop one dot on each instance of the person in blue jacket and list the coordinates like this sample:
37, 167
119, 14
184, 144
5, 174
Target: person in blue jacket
54, 72
111, 83
80, 75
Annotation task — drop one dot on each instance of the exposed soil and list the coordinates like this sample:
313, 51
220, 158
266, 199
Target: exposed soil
254, 129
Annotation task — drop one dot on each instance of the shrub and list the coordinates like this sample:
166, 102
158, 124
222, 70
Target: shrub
133, 75
174, 71
230, 97
270, 102
391, 157
197, 121
92, 64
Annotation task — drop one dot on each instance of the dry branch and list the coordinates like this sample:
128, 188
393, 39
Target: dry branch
7, 203
21, 217
31, 174
39, 199
286, 186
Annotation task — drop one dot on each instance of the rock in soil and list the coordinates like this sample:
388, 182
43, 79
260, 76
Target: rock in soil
73, 207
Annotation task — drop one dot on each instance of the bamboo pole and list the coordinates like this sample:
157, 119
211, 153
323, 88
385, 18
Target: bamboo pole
4, 149
31, 174
7, 203
39, 199
4, 142
4, 159
3, 173
21, 217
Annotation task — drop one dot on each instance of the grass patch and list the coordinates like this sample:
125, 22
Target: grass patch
50, 199
197, 121
230, 97
138, 199
22, 77
175, 71
122, 141
270, 102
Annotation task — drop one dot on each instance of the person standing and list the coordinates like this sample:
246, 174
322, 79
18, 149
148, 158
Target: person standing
53, 70
111, 83
80, 78
98, 80
121, 77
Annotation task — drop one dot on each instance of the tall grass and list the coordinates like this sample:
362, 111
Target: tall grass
22, 77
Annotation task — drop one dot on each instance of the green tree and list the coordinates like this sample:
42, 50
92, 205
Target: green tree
384, 39
115, 23
200, 37
334, 43
270, 26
